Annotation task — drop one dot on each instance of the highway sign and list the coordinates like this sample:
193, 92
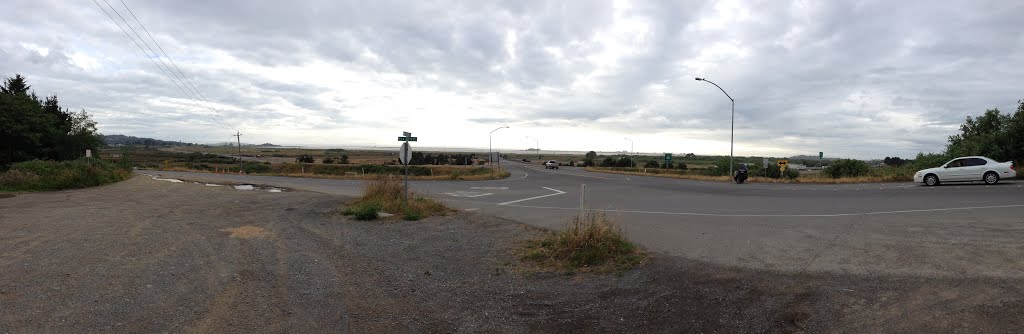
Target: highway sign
406, 138
406, 134
783, 163
821, 155
405, 153
668, 157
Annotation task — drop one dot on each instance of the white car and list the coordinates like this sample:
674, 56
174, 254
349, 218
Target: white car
551, 164
967, 169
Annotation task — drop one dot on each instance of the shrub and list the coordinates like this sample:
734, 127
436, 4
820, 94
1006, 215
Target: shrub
412, 215
305, 158
38, 175
328, 160
651, 164
364, 211
847, 168
590, 239
791, 174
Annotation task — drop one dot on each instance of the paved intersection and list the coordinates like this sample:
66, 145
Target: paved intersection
972, 230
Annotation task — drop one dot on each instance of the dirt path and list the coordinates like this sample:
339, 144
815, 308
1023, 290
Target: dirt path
153, 256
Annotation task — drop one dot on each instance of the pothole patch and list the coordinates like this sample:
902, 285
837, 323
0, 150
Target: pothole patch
247, 232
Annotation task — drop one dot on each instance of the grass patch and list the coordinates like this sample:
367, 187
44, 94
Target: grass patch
591, 241
386, 194
42, 175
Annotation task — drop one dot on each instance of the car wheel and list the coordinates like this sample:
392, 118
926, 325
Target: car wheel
991, 178
931, 180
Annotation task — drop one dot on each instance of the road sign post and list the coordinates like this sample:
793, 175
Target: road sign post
668, 159
782, 166
405, 156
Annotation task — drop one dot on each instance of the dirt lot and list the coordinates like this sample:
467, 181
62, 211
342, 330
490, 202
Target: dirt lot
154, 256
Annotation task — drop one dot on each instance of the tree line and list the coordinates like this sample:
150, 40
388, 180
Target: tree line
39, 128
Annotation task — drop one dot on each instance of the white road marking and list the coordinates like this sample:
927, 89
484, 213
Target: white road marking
557, 192
489, 188
468, 194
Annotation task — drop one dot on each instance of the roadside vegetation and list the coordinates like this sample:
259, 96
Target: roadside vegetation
40, 175
304, 164
591, 241
43, 145
386, 195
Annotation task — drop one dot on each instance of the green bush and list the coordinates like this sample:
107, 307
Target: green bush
36, 175
363, 210
847, 168
412, 215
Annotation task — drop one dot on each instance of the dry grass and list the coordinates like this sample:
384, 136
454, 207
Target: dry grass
442, 173
591, 241
386, 194
817, 178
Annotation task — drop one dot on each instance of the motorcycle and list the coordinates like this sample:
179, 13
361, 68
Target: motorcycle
741, 174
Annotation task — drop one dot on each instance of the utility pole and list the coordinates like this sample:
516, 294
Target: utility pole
238, 137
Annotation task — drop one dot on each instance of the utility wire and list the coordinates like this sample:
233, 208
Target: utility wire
168, 56
168, 76
143, 40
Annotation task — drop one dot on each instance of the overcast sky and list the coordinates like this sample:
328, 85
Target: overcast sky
858, 79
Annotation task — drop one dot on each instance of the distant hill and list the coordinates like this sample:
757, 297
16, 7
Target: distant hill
122, 140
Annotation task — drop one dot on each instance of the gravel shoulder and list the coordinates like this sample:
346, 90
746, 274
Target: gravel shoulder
153, 256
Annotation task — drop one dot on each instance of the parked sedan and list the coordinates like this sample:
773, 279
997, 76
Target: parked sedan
967, 169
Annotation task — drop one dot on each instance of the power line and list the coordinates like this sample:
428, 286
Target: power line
168, 56
168, 76
143, 40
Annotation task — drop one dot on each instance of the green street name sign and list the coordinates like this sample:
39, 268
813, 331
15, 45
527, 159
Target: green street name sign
668, 157
406, 138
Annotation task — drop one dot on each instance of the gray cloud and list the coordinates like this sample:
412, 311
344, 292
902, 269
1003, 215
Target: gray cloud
867, 78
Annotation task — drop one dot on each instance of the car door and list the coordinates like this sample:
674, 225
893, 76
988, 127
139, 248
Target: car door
976, 169
954, 170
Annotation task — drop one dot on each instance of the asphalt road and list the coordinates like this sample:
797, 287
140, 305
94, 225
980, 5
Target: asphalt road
961, 230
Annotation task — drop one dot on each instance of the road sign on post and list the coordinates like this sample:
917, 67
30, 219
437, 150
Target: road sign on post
821, 155
405, 156
668, 157
782, 164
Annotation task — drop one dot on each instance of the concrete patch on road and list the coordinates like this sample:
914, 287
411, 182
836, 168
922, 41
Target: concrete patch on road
247, 232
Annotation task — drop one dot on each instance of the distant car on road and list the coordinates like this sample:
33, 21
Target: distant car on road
967, 169
551, 164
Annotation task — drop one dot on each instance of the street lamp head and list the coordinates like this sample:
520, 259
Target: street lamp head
698, 79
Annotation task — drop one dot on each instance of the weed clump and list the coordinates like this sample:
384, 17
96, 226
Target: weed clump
590, 241
387, 194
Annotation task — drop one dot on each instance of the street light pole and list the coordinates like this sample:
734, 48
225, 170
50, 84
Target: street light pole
732, 122
631, 153
537, 147
490, 139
